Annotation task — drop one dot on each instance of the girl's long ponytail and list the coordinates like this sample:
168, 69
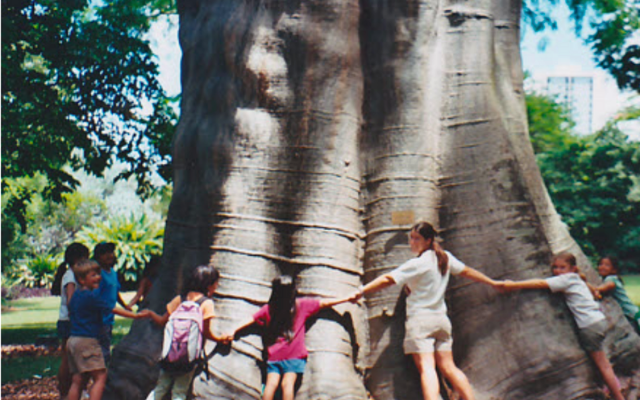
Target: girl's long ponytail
443, 258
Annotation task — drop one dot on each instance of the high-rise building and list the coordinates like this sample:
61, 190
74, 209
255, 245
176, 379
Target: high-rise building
576, 93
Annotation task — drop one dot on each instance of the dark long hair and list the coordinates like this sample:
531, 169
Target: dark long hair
282, 309
200, 278
74, 253
427, 231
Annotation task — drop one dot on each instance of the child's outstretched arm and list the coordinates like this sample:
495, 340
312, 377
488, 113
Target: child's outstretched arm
381, 282
244, 325
520, 285
326, 303
208, 333
477, 276
159, 319
130, 314
606, 287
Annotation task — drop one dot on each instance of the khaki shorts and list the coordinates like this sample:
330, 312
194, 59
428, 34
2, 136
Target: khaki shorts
427, 334
592, 336
85, 355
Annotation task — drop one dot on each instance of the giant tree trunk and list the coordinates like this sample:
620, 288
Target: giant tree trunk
313, 133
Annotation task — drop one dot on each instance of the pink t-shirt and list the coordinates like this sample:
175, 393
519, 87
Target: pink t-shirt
294, 349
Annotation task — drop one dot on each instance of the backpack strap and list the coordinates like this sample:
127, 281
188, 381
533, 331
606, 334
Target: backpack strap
202, 300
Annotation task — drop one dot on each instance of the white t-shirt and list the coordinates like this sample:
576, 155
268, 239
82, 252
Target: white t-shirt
67, 278
584, 308
427, 285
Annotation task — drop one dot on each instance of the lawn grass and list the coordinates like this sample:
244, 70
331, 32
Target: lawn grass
632, 286
16, 369
25, 321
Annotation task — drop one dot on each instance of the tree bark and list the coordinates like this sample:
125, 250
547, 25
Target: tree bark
312, 135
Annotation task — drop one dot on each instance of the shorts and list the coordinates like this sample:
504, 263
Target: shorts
284, 366
85, 355
592, 337
427, 334
64, 329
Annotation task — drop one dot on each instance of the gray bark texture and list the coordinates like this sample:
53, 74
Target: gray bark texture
312, 135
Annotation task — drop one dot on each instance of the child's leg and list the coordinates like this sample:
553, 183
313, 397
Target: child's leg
270, 387
428, 376
181, 385
78, 382
162, 387
288, 385
457, 378
105, 342
99, 381
64, 375
606, 370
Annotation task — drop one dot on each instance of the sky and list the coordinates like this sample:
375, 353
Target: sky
564, 54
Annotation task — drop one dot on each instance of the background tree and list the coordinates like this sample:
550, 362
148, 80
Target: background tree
79, 89
314, 137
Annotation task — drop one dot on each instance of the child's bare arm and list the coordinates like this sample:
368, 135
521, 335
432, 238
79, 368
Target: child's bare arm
128, 314
520, 285
159, 319
606, 287
326, 303
244, 325
208, 332
477, 276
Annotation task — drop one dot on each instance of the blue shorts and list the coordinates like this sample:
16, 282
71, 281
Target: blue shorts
282, 367
64, 329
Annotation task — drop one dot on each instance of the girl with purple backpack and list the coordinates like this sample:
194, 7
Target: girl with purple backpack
182, 342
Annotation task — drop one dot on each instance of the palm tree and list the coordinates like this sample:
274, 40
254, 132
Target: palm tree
312, 135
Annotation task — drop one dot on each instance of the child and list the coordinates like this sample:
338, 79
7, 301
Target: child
612, 284
428, 336
104, 254
590, 320
86, 312
201, 284
148, 277
66, 286
284, 318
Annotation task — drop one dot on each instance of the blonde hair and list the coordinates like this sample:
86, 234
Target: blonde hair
83, 267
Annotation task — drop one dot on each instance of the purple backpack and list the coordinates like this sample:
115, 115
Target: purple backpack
182, 345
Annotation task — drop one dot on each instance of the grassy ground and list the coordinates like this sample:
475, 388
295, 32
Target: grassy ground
632, 285
28, 321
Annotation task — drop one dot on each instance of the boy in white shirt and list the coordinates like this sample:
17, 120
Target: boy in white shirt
590, 320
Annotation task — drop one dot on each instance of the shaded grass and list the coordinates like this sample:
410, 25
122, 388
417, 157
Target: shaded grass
15, 369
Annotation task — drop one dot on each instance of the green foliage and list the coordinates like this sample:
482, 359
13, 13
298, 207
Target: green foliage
137, 239
593, 182
550, 125
38, 271
50, 225
79, 88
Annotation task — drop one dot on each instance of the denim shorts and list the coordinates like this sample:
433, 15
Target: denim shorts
282, 367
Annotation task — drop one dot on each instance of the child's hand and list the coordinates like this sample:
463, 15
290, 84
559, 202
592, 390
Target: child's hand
503, 286
355, 296
226, 338
143, 314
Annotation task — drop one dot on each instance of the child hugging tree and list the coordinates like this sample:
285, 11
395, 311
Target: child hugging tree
284, 318
591, 321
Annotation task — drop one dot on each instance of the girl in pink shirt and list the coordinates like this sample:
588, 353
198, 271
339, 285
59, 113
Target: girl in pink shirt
284, 319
